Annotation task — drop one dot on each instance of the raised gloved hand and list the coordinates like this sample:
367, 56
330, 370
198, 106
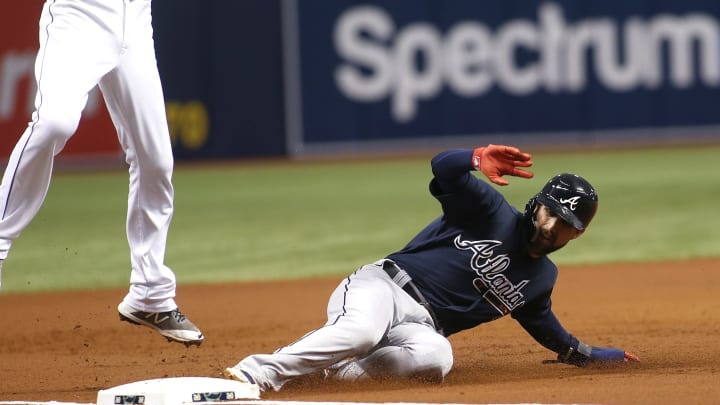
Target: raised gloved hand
496, 161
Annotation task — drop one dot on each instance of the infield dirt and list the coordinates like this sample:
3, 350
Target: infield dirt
66, 346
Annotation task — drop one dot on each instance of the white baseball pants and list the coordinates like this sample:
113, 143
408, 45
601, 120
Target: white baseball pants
109, 43
370, 320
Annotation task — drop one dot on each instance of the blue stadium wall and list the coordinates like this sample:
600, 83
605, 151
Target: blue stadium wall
221, 66
306, 77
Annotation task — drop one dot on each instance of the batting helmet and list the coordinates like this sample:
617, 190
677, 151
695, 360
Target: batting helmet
570, 197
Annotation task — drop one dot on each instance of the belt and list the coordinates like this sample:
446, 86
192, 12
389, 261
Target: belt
404, 281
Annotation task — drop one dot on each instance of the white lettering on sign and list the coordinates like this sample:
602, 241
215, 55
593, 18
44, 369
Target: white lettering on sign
415, 62
16, 68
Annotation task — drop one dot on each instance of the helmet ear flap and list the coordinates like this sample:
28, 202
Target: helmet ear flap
530, 206
529, 216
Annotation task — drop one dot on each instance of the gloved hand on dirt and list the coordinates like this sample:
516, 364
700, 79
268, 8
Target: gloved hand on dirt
610, 355
581, 354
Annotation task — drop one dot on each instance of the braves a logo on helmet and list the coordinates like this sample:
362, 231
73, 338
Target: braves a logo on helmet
573, 202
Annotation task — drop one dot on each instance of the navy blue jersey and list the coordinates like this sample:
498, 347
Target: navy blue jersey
472, 263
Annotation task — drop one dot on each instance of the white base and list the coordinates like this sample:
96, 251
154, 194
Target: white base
178, 391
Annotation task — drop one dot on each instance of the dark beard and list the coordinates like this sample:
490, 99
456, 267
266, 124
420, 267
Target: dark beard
539, 247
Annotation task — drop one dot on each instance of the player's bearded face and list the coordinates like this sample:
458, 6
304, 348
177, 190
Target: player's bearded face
551, 233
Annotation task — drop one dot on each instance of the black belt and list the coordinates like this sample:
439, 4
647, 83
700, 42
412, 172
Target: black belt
404, 281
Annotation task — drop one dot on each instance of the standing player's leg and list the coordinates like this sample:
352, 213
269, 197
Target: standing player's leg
134, 96
74, 53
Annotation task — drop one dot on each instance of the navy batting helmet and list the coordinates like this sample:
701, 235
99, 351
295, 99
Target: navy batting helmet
571, 198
